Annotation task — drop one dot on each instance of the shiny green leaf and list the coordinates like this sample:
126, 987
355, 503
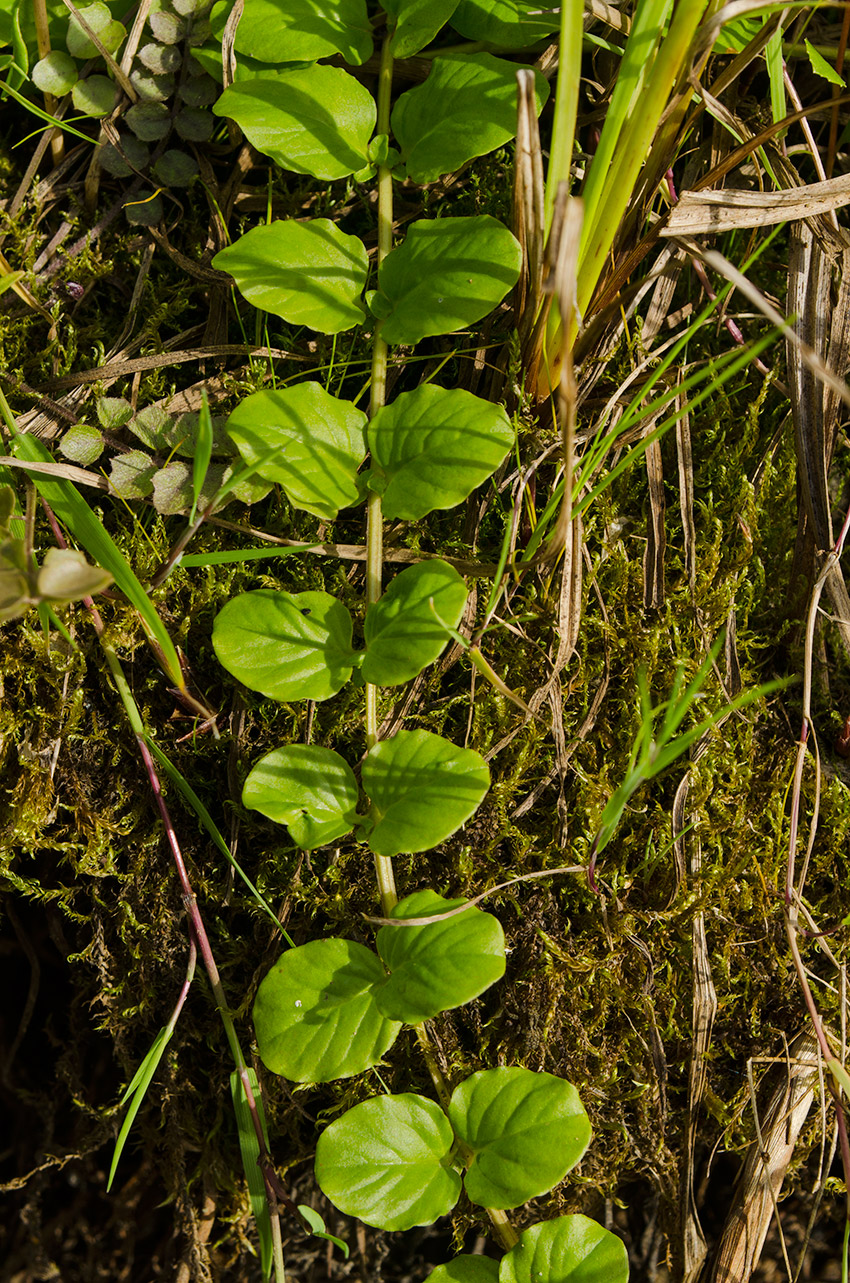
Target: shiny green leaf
310, 789
570, 1249
386, 1162
315, 1015
403, 630
305, 30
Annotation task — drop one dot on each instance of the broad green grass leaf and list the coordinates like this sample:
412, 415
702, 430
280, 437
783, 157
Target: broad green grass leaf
505, 24
305, 30
466, 1269
422, 788
821, 67
570, 1249
315, 1015
414, 23
526, 1131
321, 439
310, 789
432, 447
316, 120
404, 633
249, 1150
136, 1091
466, 108
438, 967
286, 646
446, 274
386, 1162
307, 273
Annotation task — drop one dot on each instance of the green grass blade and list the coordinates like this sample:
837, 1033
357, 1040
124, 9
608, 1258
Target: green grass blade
566, 104
245, 554
136, 1092
203, 453
250, 1150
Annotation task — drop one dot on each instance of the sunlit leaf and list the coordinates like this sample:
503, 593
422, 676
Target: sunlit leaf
310, 789
446, 274
422, 788
570, 1249
307, 273
525, 1129
386, 1162
465, 108
403, 630
315, 1014
316, 120
304, 30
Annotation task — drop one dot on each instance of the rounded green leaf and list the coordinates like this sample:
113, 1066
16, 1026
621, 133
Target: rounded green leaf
526, 1131
95, 96
571, 1249
446, 274
288, 646
437, 967
506, 24
403, 633
310, 789
307, 273
466, 1269
315, 121
56, 73
315, 1015
386, 1162
321, 442
305, 30
414, 23
465, 108
432, 447
422, 788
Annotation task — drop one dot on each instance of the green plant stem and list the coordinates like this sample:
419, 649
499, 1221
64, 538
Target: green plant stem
374, 517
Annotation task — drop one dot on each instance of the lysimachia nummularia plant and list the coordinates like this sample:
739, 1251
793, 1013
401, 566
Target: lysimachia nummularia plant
332, 1008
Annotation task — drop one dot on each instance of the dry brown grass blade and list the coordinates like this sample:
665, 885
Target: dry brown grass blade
119, 369
687, 851
767, 1162
698, 212
685, 462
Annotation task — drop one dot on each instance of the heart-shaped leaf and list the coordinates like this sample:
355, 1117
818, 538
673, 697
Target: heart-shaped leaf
422, 788
415, 23
506, 24
437, 967
310, 789
570, 1249
465, 108
386, 1162
466, 1269
305, 30
526, 1131
321, 443
307, 273
446, 274
288, 646
317, 120
432, 447
315, 1015
404, 634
